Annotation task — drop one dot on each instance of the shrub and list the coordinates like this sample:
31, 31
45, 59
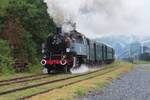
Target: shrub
6, 60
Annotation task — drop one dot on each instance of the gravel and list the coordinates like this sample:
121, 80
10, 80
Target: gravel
134, 85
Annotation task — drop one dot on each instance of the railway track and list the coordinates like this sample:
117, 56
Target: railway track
86, 75
8, 80
23, 79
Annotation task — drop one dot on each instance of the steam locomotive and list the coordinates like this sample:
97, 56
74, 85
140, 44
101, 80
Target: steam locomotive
64, 51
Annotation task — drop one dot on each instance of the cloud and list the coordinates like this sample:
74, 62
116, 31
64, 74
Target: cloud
99, 17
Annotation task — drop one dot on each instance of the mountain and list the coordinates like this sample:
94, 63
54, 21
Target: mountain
122, 43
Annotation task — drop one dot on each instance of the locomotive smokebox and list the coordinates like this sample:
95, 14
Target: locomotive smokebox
58, 30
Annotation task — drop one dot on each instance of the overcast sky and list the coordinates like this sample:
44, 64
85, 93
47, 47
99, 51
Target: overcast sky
96, 18
147, 16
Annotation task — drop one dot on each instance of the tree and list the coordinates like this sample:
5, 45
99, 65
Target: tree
34, 25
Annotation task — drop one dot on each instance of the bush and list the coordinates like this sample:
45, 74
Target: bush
6, 61
35, 68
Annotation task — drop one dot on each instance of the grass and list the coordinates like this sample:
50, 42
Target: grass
34, 70
32, 82
142, 62
80, 92
78, 89
11, 76
31, 91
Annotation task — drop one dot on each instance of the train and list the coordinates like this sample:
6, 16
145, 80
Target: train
65, 51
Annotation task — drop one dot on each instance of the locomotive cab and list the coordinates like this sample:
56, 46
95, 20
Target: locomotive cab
79, 44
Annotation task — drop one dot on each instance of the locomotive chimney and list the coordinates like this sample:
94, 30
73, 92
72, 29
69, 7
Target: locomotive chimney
74, 26
58, 30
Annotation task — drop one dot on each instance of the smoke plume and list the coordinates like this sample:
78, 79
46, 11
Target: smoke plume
94, 17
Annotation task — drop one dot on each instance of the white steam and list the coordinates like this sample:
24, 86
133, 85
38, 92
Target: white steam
98, 16
82, 69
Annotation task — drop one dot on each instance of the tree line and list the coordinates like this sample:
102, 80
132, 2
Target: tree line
24, 26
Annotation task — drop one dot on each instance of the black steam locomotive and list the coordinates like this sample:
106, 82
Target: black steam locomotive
64, 51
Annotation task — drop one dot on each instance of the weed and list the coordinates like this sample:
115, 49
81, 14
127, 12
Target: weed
80, 92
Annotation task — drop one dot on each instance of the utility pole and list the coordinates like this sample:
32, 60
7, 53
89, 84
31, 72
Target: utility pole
142, 45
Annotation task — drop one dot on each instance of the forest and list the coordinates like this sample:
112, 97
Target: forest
24, 26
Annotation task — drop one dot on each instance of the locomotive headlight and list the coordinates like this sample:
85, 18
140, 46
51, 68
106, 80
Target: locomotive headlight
63, 62
67, 49
43, 62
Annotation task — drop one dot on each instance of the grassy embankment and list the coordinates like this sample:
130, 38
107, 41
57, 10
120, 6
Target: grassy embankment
80, 89
142, 62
